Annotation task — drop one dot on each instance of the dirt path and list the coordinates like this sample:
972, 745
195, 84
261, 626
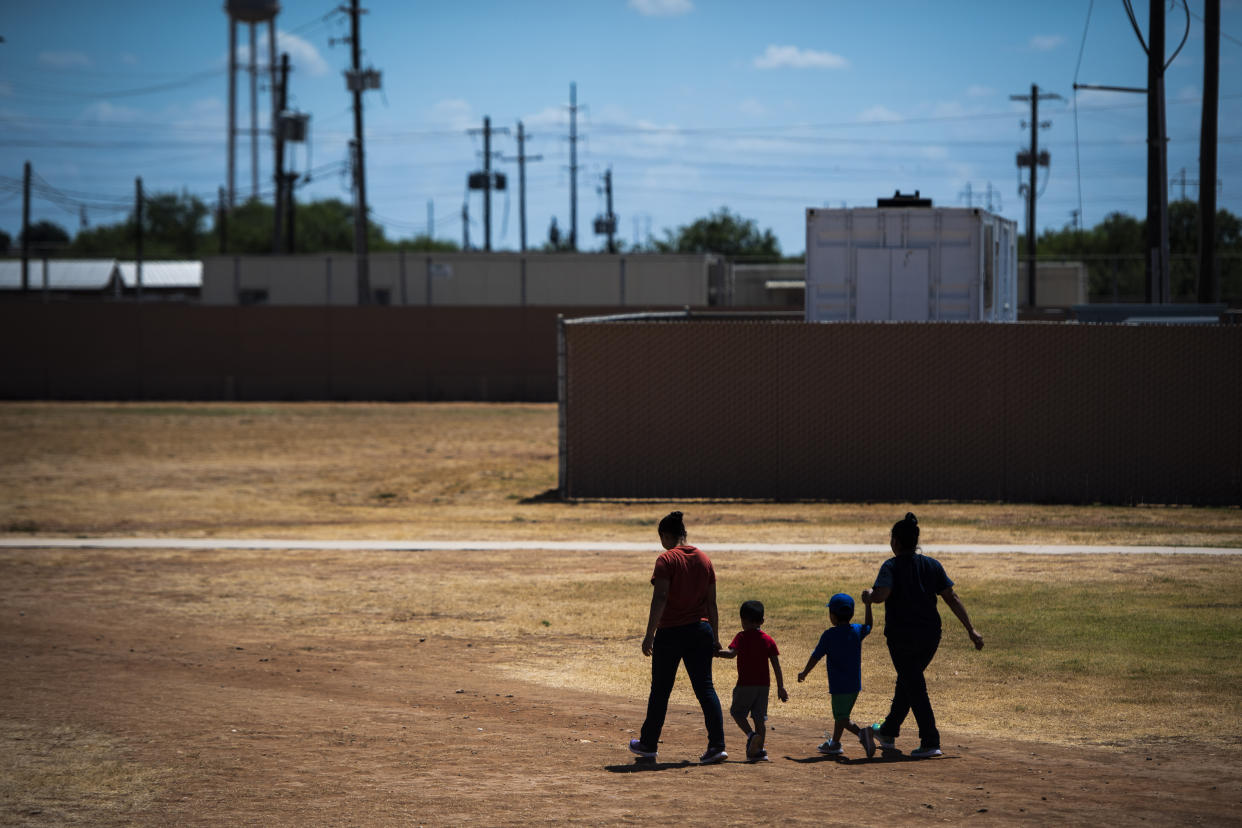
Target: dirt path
227, 723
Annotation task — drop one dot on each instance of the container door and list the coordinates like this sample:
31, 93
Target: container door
872, 303
909, 285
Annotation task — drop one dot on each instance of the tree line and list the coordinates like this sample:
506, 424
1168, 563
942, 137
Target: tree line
179, 226
1114, 253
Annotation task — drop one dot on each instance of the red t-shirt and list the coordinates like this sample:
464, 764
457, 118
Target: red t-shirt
753, 648
690, 575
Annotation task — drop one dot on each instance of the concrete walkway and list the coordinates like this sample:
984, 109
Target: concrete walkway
598, 546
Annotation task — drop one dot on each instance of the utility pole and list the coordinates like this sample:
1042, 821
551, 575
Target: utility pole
521, 160
357, 81
1157, 162
279, 173
291, 179
26, 227
1209, 276
1034, 159
484, 180
573, 166
254, 116
138, 235
606, 225
222, 222
431, 219
465, 225
970, 199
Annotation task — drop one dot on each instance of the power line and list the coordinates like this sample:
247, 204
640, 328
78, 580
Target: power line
188, 80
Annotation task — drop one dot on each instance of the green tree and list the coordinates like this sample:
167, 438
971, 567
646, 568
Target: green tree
423, 242
724, 233
46, 238
6, 241
173, 227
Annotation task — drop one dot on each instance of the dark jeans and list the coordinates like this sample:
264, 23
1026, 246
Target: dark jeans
695, 645
910, 658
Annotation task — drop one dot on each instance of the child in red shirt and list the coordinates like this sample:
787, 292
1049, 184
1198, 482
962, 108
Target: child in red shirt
753, 649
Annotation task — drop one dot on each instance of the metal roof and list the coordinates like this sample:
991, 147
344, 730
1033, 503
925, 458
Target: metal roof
62, 274
163, 274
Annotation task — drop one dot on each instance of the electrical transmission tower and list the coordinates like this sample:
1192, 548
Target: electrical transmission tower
573, 166
1034, 159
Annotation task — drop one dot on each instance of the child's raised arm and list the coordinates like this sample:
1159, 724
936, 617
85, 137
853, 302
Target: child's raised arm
867, 601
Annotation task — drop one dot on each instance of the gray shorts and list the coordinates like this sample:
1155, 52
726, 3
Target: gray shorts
750, 700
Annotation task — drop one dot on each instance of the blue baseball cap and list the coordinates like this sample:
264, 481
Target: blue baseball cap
840, 601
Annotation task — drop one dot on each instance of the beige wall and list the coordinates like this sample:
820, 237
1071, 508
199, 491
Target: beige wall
464, 279
1058, 284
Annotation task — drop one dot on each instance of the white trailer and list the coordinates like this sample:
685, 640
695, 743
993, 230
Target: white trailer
910, 264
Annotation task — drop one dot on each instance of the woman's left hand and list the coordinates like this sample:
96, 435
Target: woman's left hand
648, 641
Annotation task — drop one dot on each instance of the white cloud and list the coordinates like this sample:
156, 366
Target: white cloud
777, 57
302, 55
104, 112
64, 60
978, 91
752, 108
547, 118
1045, 43
877, 113
948, 109
661, 8
454, 113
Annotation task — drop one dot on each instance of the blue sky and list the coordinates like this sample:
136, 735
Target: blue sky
766, 108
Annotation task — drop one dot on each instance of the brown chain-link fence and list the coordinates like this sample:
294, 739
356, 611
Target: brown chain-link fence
1029, 412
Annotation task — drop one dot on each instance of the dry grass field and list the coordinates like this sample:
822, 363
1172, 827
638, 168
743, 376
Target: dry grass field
294, 687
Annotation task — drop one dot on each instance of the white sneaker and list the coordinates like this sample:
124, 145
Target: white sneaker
831, 748
713, 756
925, 753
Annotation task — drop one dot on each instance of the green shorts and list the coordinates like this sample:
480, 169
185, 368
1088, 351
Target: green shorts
842, 705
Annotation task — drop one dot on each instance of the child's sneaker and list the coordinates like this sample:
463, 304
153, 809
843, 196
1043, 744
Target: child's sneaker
885, 744
636, 748
713, 756
831, 748
867, 736
925, 752
761, 756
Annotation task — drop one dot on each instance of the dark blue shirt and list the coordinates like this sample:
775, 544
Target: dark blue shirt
841, 648
915, 581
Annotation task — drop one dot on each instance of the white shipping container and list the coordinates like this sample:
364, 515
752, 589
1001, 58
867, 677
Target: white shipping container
910, 264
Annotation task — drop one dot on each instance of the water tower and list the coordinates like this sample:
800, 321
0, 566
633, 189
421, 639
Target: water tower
252, 13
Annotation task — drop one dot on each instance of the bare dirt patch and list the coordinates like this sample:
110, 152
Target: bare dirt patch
284, 688
279, 688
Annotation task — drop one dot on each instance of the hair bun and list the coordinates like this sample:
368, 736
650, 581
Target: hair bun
675, 514
910, 517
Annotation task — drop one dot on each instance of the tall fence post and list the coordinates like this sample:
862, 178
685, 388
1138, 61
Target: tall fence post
562, 405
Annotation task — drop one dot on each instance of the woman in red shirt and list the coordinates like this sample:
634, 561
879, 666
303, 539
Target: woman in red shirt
682, 625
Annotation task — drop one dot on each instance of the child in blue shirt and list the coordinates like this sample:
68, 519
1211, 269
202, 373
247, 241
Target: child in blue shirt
841, 645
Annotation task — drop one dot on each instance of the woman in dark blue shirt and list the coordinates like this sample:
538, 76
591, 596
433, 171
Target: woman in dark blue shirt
907, 585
